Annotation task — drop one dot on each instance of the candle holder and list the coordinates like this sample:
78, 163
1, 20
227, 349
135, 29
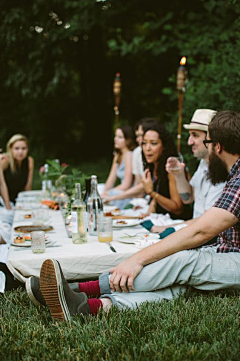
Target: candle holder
181, 88
117, 84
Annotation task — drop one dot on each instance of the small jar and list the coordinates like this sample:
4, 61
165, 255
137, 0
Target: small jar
38, 242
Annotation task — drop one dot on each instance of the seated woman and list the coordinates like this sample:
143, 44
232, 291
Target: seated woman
17, 166
121, 168
157, 146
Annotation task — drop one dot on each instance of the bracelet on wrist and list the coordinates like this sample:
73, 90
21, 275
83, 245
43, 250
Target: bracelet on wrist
156, 195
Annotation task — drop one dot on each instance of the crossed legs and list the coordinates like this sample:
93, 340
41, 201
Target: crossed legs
202, 269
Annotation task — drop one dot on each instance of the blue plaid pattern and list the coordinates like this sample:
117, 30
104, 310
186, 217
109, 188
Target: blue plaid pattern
229, 240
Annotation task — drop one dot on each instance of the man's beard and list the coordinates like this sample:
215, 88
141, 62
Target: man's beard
217, 171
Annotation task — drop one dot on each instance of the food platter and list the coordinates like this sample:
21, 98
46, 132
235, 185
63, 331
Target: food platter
27, 229
126, 222
113, 214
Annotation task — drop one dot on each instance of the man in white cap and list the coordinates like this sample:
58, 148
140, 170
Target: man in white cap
199, 189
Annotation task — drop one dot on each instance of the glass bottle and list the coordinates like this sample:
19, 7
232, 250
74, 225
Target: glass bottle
94, 207
87, 190
46, 183
45, 178
78, 212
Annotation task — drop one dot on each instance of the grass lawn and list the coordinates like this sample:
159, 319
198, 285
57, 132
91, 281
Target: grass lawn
198, 326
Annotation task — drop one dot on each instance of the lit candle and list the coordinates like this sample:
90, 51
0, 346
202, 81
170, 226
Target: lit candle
182, 75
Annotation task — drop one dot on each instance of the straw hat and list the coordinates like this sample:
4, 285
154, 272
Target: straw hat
201, 119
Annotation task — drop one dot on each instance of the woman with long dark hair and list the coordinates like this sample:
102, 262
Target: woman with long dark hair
124, 143
158, 146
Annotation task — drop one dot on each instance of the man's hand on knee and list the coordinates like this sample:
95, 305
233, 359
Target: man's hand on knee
122, 276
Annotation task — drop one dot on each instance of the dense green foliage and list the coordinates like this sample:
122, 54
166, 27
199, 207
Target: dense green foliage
196, 327
59, 59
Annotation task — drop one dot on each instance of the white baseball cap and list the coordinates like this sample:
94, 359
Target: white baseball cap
201, 119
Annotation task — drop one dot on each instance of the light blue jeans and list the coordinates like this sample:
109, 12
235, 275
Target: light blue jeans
202, 268
120, 203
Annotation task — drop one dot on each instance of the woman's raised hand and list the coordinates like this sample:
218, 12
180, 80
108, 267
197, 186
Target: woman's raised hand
147, 181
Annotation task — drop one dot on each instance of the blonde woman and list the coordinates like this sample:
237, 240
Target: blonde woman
17, 166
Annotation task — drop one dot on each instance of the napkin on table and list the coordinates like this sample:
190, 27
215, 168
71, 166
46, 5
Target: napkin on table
159, 219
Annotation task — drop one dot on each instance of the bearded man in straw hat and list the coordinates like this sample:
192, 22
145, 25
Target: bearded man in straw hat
200, 189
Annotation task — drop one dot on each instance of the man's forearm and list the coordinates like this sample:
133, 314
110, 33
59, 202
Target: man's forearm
182, 240
184, 189
201, 231
213, 222
160, 229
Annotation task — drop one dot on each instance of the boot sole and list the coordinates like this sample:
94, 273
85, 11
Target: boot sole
30, 293
52, 290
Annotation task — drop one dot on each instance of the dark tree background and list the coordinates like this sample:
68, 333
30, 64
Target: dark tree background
59, 58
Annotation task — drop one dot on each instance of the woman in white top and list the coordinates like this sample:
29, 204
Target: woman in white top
124, 143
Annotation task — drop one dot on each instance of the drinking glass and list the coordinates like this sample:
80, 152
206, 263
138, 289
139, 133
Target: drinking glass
38, 241
175, 164
105, 229
40, 216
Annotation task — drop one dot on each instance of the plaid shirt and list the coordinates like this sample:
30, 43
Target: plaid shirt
229, 240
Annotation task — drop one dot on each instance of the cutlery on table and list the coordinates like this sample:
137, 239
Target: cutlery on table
111, 247
135, 235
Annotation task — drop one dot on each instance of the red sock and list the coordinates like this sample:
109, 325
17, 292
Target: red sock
91, 288
94, 304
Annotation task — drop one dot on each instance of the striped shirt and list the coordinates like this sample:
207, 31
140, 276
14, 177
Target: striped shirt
229, 240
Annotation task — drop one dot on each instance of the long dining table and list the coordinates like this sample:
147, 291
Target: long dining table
78, 261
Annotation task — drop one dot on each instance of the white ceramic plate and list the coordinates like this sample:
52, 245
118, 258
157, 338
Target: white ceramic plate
138, 237
127, 222
27, 243
108, 208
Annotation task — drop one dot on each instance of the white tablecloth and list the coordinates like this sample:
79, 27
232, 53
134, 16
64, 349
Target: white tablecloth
78, 261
